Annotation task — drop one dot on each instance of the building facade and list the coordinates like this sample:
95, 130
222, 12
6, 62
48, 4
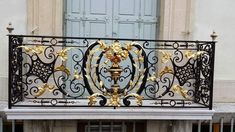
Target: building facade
135, 19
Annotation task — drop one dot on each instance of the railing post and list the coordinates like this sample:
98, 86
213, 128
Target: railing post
213, 36
212, 75
9, 29
9, 71
198, 68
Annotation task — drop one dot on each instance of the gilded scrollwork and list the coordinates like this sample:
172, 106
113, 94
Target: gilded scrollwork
62, 70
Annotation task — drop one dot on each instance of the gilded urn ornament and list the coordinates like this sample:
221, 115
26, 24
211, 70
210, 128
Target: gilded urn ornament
115, 53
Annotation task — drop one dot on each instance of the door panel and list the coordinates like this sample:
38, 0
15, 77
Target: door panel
98, 18
126, 7
73, 18
97, 7
75, 6
126, 15
148, 19
126, 30
97, 29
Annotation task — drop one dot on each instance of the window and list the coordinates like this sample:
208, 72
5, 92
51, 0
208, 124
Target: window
111, 126
8, 126
216, 127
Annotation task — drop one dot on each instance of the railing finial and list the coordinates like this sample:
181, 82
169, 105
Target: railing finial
214, 36
10, 28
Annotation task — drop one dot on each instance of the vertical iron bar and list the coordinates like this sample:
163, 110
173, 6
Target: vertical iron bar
111, 129
212, 75
100, 126
199, 126
198, 68
123, 126
232, 122
134, 126
89, 126
19, 62
9, 70
13, 126
1, 124
211, 124
221, 124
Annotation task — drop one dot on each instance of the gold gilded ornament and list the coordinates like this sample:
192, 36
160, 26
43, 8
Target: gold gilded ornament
36, 49
166, 70
102, 45
190, 54
139, 99
129, 46
63, 54
138, 52
63, 69
165, 57
131, 83
43, 88
139, 59
115, 53
93, 99
101, 84
180, 90
153, 77
116, 47
77, 76
114, 98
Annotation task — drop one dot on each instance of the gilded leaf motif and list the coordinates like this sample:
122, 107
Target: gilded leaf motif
63, 54
166, 70
165, 56
180, 90
63, 69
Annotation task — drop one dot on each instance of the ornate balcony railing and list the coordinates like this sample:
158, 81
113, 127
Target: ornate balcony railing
55, 71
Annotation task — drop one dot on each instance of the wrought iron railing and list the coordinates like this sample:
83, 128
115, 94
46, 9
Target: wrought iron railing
56, 71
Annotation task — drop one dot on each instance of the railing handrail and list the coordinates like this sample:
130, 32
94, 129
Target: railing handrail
122, 39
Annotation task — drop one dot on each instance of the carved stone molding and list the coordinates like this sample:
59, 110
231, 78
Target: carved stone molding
176, 19
45, 17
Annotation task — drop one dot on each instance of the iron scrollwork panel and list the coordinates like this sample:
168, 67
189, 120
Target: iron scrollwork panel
70, 71
15, 71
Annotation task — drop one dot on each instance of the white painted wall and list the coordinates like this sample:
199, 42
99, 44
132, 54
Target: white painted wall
219, 16
11, 11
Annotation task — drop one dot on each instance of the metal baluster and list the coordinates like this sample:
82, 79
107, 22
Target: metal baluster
232, 122
111, 126
100, 126
134, 126
1, 124
13, 125
221, 124
88, 126
211, 124
123, 126
199, 126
